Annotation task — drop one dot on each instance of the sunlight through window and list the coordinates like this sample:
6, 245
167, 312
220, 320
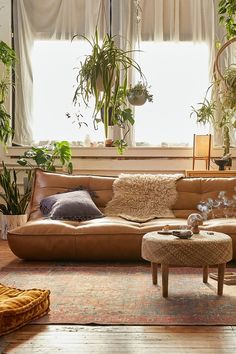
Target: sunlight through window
179, 76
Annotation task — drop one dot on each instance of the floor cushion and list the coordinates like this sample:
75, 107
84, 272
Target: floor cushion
18, 307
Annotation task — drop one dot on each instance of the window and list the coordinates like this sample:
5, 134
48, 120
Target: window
54, 76
178, 75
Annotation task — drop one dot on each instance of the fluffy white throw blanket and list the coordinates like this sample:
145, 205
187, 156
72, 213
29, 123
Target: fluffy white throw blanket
142, 197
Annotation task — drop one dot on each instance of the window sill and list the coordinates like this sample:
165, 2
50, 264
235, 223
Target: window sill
132, 152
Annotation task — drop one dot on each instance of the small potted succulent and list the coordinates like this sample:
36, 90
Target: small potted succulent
138, 94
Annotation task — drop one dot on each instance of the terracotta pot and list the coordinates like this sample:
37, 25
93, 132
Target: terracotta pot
137, 100
10, 222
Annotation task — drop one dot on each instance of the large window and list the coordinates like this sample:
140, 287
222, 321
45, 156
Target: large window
178, 75
54, 77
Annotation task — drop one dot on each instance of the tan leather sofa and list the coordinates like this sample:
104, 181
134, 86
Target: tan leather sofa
108, 238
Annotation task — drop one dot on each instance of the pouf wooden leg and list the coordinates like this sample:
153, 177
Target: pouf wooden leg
165, 274
205, 274
221, 273
154, 273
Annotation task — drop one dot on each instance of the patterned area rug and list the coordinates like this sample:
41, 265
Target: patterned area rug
122, 294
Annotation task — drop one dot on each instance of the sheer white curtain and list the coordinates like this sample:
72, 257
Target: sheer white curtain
47, 19
166, 20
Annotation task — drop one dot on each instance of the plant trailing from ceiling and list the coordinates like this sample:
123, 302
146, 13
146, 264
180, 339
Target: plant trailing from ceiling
15, 202
45, 157
138, 94
227, 12
102, 75
220, 111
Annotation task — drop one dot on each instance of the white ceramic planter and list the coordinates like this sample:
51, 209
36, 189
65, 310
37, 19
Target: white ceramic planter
10, 222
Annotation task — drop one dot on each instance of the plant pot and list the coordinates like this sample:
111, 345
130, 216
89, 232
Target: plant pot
110, 134
137, 100
99, 82
10, 222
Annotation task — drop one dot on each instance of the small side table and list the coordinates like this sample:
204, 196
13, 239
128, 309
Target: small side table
201, 250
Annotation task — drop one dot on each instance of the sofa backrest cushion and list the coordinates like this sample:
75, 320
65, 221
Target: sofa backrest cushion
191, 190
47, 183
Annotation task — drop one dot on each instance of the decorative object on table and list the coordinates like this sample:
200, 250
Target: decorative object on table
202, 149
184, 234
194, 221
222, 206
138, 94
14, 209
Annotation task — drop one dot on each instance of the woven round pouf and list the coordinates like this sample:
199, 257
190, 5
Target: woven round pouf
201, 250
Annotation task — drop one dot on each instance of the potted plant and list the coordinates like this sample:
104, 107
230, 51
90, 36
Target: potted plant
138, 94
46, 156
221, 110
7, 59
14, 209
100, 76
123, 118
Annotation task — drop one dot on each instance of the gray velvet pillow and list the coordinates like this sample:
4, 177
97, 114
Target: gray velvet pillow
76, 205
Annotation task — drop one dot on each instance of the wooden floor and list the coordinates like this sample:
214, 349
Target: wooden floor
50, 339
120, 340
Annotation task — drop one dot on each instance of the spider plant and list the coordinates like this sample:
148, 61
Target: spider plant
100, 76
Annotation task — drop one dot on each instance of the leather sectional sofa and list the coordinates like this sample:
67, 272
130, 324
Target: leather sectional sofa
107, 238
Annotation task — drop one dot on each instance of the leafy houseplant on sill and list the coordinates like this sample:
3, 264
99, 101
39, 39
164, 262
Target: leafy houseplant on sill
14, 209
100, 76
138, 94
46, 156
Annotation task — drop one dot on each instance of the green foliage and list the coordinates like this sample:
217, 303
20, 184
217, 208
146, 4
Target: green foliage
205, 113
140, 89
100, 76
45, 157
7, 55
227, 12
8, 59
5, 125
15, 203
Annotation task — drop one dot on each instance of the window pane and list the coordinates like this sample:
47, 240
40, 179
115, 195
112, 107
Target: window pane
54, 77
179, 77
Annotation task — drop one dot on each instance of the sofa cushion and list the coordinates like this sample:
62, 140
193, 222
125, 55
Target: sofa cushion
75, 205
18, 307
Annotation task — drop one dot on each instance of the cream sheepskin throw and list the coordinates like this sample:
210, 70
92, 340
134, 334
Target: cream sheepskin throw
142, 197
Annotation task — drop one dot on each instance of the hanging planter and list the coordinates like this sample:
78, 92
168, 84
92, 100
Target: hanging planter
137, 100
138, 95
